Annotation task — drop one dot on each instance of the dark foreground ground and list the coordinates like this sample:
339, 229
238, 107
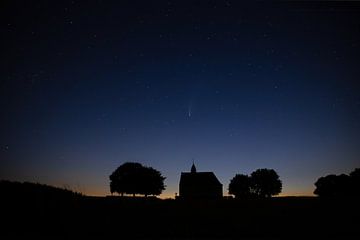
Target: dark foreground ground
35, 213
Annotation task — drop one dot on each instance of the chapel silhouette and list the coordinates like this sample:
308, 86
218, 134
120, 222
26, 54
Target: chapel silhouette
199, 185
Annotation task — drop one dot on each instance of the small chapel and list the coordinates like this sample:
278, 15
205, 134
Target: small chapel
199, 185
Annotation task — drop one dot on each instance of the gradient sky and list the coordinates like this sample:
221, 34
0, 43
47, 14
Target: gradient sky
88, 85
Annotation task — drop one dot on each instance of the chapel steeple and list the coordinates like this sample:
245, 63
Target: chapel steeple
193, 168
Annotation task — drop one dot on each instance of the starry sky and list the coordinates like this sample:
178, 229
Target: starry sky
88, 85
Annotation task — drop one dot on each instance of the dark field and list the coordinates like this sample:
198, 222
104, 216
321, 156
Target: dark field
52, 213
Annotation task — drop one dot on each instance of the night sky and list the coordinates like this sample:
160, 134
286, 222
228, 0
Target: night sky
88, 85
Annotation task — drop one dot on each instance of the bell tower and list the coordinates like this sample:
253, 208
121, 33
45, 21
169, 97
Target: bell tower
193, 168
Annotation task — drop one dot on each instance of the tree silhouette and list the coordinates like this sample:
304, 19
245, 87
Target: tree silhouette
265, 183
134, 178
355, 174
240, 186
339, 185
261, 183
333, 186
355, 182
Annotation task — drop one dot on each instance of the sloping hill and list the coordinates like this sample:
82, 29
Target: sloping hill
34, 210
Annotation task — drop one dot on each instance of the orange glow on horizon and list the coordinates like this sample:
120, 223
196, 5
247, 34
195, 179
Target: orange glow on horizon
171, 195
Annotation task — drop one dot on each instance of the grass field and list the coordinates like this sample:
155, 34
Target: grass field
51, 212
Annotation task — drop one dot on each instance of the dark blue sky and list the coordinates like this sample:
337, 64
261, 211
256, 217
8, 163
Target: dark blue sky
88, 85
